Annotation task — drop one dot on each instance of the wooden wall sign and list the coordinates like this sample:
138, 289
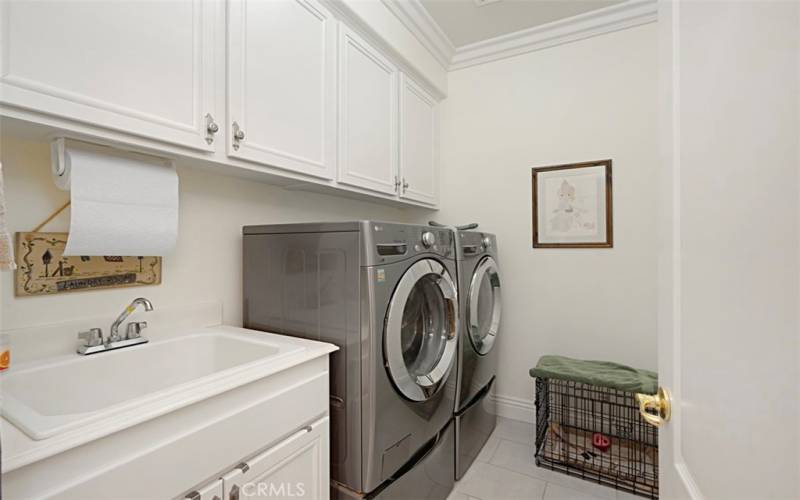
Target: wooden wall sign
42, 269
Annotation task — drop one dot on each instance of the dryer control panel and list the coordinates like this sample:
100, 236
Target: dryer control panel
475, 244
386, 242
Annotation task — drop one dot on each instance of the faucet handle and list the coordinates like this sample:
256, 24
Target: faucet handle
92, 337
134, 329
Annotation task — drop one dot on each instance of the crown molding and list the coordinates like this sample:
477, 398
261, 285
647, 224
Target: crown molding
606, 20
413, 15
419, 22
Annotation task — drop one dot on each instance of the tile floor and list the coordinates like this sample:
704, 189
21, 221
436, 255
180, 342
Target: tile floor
505, 470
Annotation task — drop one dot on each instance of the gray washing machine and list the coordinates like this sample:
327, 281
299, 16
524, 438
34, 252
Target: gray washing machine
480, 305
386, 295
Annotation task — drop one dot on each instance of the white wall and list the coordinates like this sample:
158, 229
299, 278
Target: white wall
588, 100
207, 263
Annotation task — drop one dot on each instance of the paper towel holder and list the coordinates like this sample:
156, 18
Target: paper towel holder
58, 156
58, 160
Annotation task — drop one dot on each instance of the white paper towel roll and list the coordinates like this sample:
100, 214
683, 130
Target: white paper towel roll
122, 204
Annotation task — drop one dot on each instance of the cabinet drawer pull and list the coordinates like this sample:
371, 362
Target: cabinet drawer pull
405, 184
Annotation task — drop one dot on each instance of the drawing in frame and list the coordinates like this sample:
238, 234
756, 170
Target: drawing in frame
572, 205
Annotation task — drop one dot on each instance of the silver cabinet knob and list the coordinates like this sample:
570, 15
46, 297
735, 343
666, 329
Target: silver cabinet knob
238, 135
211, 125
428, 239
405, 184
211, 128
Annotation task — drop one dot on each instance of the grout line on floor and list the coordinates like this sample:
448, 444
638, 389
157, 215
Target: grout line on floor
497, 447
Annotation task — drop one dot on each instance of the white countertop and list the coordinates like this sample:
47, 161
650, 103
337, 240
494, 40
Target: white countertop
20, 450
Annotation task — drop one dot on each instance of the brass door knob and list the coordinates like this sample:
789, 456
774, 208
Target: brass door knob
655, 409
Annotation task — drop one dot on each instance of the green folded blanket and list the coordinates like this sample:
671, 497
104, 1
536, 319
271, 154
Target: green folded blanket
599, 373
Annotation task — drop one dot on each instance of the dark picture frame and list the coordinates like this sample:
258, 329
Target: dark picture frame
567, 199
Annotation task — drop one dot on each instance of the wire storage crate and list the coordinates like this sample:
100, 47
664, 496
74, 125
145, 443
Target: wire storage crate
595, 433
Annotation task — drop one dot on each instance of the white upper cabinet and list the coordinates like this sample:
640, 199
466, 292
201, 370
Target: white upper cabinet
144, 68
419, 138
282, 85
368, 104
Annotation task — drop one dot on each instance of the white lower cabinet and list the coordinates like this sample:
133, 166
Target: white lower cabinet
265, 439
295, 468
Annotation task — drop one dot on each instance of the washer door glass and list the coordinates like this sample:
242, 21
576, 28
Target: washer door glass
483, 307
420, 335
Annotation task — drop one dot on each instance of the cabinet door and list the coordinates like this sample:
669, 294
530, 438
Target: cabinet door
295, 468
419, 149
144, 68
368, 116
209, 491
282, 84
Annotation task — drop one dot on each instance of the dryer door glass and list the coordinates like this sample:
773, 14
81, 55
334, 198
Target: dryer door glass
483, 306
420, 336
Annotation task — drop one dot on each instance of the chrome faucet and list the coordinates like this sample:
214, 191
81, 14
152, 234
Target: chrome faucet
114, 334
92, 341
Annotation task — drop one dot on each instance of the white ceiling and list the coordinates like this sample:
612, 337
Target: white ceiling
464, 22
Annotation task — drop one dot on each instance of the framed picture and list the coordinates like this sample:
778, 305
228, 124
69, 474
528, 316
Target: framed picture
572, 206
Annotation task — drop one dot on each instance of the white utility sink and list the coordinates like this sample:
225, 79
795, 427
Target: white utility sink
69, 393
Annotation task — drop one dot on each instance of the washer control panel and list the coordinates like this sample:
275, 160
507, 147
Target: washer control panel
392, 242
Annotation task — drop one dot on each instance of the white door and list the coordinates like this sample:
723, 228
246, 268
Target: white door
367, 116
282, 85
143, 68
296, 468
419, 138
728, 313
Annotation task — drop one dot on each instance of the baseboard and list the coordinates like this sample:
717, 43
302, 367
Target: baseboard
515, 408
